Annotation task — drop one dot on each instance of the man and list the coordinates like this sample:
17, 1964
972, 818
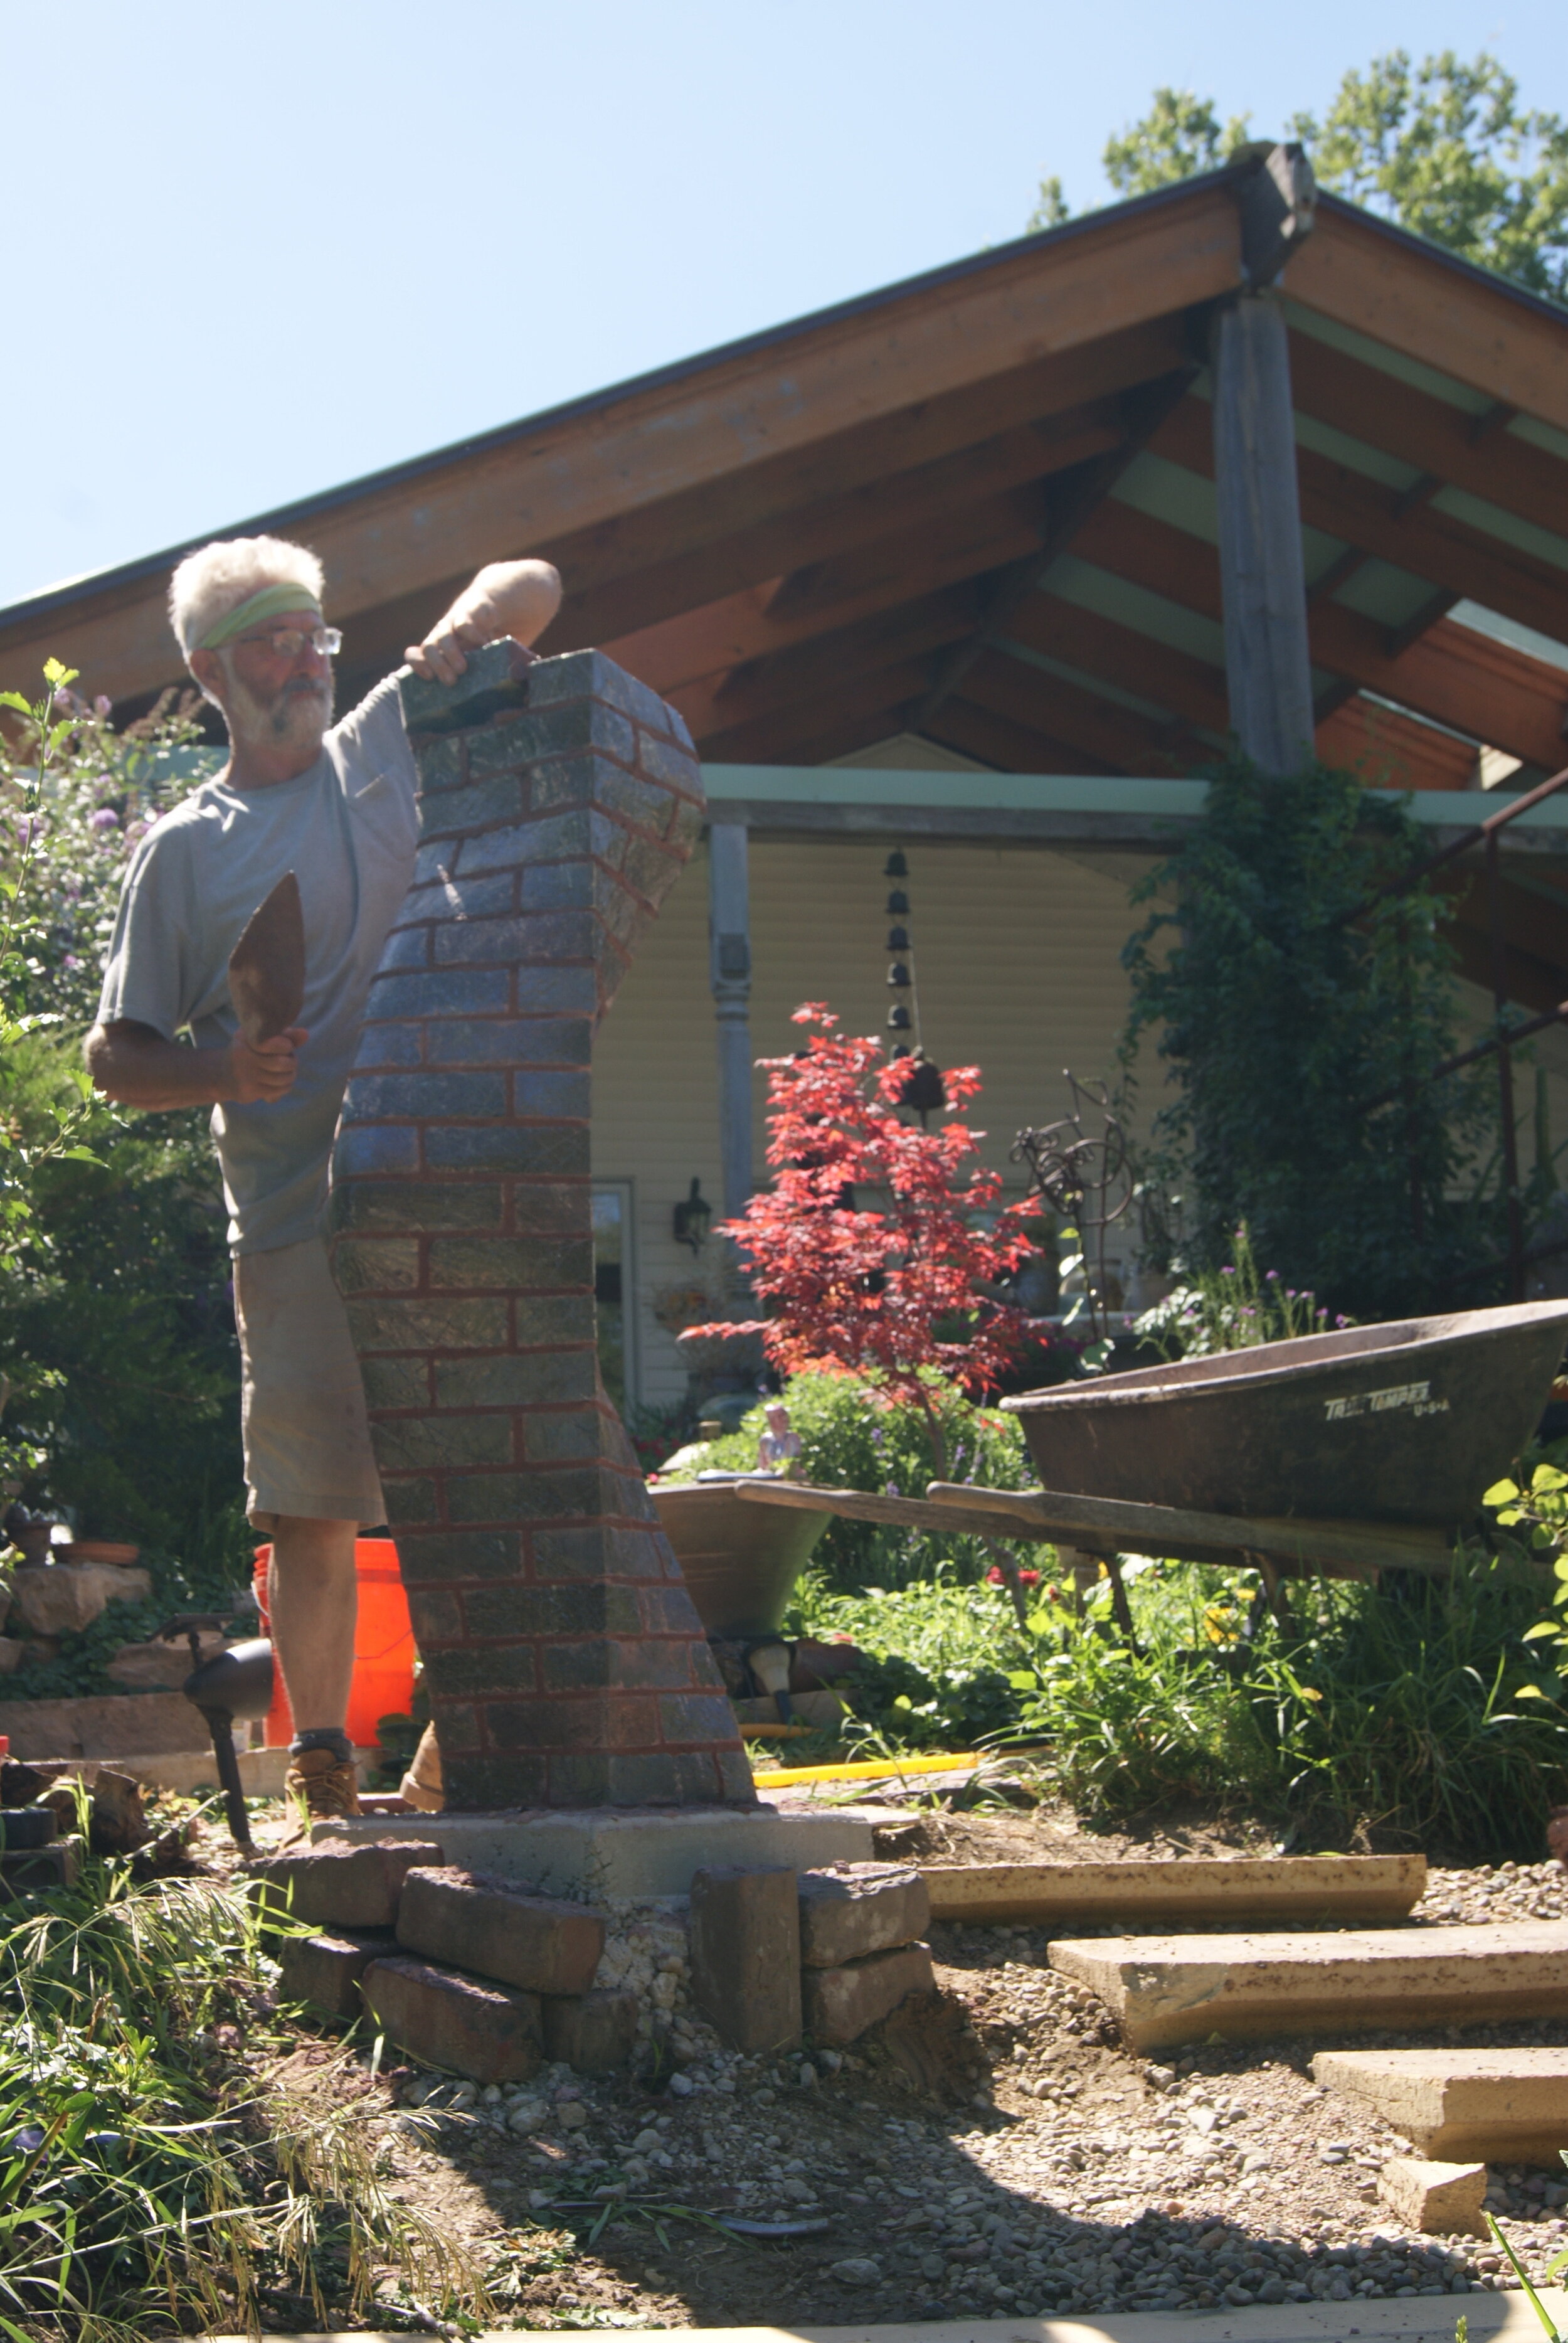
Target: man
335, 805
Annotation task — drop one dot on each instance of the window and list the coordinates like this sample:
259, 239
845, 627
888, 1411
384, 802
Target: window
615, 1290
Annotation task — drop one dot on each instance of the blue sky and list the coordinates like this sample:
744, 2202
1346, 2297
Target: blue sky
254, 251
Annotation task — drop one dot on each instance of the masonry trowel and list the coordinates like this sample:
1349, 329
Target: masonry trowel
266, 967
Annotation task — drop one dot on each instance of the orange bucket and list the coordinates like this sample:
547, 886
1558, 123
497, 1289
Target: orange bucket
384, 1650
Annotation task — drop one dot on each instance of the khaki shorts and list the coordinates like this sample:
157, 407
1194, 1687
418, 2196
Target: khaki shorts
307, 1440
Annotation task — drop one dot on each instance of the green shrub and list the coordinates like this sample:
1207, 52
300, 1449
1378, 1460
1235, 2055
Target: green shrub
941, 1658
852, 1437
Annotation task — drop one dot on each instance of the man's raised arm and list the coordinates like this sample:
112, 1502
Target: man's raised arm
508, 597
135, 1066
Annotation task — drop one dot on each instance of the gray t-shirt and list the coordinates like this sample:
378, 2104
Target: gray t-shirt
347, 828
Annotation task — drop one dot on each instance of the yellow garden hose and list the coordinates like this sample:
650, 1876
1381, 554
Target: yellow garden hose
882, 1769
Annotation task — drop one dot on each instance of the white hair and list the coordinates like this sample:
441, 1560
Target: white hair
209, 584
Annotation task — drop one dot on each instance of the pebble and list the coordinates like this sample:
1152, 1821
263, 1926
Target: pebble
856, 2271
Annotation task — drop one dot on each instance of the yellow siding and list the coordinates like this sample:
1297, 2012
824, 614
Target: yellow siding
1017, 960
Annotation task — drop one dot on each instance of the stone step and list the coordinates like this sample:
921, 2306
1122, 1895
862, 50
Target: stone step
1170, 1989
1310, 1889
1491, 2318
1497, 2106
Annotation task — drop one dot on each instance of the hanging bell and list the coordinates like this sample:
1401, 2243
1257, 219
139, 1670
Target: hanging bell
897, 939
898, 1018
898, 974
924, 1090
898, 905
900, 1050
895, 866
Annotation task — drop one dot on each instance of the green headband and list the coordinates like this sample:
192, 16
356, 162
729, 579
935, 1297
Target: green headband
270, 603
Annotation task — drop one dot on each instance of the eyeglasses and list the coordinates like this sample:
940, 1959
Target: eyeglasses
287, 642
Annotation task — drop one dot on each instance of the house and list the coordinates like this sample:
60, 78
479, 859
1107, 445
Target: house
978, 569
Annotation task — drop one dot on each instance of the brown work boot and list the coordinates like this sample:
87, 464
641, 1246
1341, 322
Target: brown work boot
421, 1784
321, 1786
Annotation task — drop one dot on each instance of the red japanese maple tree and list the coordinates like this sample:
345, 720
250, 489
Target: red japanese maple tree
870, 1236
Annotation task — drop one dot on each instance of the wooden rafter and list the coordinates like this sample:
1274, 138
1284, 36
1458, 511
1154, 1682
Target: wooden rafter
1081, 718
1068, 503
1009, 746
780, 735
793, 679
1190, 689
1428, 433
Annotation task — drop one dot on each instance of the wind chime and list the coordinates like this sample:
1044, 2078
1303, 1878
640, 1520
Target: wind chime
923, 1088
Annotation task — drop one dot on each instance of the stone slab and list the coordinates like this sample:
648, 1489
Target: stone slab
541, 1943
595, 2033
601, 1852
66, 1596
324, 1971
1501, 2106
1441, 2200
34, 1871
1492, 2318
261, 1771
490, 2032
1165, 1990
858, 1908
1308, 1889
335, 1887
744, 1940
107, 1724
841, 2004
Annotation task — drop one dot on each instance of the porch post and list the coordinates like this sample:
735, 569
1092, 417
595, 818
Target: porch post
729, 975
1264, 586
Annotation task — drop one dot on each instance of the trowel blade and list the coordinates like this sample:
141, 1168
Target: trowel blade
266, 967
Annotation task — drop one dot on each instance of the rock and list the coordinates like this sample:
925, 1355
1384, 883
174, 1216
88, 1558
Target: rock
119, 1822
112, 1724
490, 2032
571, 2115
67, 1596
745, 1956
855, 1908
35, 1870
159, 1667
11, 1652
1442, 2199
349, 1887
856, 2271
536, 1942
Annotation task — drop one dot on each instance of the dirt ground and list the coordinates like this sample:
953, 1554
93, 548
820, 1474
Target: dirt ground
998, 2150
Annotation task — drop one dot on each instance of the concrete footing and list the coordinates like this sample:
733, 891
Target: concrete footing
602, 1852
1170, 1989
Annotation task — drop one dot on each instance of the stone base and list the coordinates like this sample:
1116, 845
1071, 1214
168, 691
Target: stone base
637, 1853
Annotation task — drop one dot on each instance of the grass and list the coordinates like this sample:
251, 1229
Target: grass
149, 2184
1413, 1713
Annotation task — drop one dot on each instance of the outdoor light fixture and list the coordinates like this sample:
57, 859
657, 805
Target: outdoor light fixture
895, 866
693, 1219
898, 974
898, 904
897, 939
898, 1018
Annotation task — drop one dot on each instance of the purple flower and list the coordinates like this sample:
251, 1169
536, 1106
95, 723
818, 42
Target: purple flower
28, 825
1273, 1277
104, 819
72, 962
103, 705
1227, 1271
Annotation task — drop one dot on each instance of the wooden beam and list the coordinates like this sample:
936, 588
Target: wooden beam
1080, 717
1430, 544
789, 678
1391, 750
566, 476
1190, 688
1413, 298
1006, 746
1263, 583
1452, 675
1068, 504
1385, 413
782, 735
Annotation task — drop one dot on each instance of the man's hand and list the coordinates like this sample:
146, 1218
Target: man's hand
266, 1070
508, 597
136, 1067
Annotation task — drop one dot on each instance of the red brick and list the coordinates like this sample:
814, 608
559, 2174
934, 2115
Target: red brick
324, 1971
594, 2034
857, 1909
839, 2005
463, 2024
746, 1956
531, 1941
346, 1887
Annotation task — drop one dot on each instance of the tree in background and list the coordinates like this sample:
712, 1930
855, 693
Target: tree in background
871, 1245
1442, 148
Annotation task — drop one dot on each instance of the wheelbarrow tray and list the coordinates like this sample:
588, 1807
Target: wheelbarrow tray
740, 1562
1405, 1422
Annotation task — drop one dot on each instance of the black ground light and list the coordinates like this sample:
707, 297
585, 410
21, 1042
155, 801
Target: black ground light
233, 1686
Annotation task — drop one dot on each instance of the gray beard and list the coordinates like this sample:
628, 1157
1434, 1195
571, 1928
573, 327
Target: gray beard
296, 719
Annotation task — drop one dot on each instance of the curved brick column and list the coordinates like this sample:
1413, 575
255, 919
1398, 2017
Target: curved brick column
566, 1663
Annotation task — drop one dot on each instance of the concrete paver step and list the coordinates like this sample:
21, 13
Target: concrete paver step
1311, 1889
1502, 2106
1170, 1989
1492, 2318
